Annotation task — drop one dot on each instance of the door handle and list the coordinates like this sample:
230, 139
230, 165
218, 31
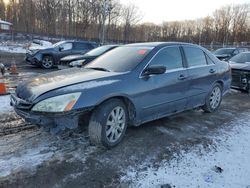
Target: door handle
182, 77
212, 71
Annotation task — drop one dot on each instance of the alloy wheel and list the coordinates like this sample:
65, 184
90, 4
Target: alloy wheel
115, 124
215, 97
47, 62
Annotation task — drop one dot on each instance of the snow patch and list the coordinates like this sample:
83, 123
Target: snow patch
27, 160
196, 168
13, 49
5, 104
40, 44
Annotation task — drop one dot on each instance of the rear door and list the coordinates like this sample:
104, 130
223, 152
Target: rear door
202, 74
165, 93
81, 48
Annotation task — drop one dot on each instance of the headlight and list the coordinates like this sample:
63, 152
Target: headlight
77, 63
61, 103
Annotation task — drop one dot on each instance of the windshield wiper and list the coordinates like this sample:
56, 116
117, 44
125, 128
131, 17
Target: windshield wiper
98, 68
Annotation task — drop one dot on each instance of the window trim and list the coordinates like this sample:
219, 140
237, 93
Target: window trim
187, 64
207, 57
171, 70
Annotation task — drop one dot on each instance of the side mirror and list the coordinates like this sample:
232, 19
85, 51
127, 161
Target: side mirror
154, 69
61, 48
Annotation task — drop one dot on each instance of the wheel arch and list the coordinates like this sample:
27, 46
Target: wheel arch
221, 83
128, 103
48, 54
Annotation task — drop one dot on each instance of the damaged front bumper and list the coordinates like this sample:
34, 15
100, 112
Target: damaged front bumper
54, 121
240, 80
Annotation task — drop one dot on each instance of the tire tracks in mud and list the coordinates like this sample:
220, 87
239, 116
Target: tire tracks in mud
10, 123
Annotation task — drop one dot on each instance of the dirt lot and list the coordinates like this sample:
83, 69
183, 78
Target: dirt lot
31, 157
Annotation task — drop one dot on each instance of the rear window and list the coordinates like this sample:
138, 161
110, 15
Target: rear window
222, 51
98, 51
241, 58
121, 59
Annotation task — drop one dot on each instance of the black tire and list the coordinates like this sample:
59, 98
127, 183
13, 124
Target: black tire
209, 107
98, 124
47, 62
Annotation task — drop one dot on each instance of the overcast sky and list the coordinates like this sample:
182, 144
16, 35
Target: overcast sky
158, 11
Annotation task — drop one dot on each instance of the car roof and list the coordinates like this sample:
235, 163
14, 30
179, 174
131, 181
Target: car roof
155, 44
79, 41
111, 45
229, 48
233, 48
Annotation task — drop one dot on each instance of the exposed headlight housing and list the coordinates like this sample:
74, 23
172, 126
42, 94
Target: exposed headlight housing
77, 63
61, 103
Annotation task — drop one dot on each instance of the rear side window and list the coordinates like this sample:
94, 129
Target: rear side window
195, 56
83, 46
235, 52
169, 57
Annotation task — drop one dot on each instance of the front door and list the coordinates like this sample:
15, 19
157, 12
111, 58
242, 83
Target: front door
65, 50
165, 93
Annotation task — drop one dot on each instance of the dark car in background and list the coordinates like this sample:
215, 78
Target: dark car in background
79, 60
226, 53
49, 57
129, 85
240, 65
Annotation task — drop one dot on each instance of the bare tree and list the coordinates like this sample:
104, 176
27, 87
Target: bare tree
130, 17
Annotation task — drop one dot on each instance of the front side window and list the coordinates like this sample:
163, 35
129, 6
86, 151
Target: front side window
169, 57
195, 56
66, 46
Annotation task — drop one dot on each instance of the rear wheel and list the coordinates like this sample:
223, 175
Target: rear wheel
213, 99
47, 62
108, 123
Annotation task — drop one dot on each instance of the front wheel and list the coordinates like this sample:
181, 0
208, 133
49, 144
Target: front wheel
108, 123
213, 99
47, 62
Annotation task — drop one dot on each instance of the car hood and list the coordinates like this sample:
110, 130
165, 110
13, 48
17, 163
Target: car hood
72, 57
33, 88
240, 66
45, 50
222, 55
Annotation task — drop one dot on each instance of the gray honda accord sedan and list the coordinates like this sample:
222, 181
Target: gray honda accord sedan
129, 85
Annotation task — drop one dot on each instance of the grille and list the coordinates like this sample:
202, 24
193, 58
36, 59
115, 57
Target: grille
19, 103
236, 77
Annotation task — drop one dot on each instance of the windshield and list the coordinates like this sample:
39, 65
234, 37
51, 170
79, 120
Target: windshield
223, 51
241, 58
58, 44
121, 59
98, 51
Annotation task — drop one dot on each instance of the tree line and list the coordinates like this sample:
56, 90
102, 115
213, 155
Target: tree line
110, 20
